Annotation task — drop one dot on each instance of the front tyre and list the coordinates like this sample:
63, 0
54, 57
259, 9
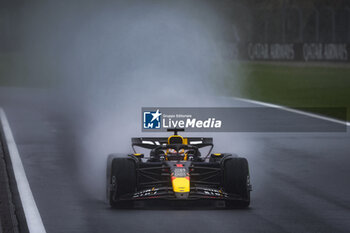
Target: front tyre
121, 180
236, 181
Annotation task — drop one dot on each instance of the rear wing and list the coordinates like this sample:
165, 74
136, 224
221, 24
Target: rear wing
151, 143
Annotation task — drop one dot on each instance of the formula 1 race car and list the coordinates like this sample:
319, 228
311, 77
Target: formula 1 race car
175, 170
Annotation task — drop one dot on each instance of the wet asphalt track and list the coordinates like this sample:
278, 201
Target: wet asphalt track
300, 182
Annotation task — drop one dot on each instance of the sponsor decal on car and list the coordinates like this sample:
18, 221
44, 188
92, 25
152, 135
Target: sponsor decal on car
214, 192
146, 193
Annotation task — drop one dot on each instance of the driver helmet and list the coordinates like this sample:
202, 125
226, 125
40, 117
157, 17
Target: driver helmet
176, 139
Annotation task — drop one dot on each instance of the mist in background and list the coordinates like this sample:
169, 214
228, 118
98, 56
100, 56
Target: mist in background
107, 59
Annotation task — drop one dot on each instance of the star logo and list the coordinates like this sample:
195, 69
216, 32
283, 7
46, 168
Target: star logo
156, 115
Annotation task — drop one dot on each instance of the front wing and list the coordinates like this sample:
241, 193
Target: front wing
167, 193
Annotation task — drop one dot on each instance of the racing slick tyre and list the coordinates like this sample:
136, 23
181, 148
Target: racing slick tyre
121, 181
236, 181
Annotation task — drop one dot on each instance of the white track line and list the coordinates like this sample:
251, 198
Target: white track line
31, 212
294, 111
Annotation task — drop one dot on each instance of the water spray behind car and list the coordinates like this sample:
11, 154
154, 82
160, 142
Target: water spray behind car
111, 59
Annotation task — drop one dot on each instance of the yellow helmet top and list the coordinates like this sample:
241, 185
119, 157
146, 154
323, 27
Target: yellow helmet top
175, 139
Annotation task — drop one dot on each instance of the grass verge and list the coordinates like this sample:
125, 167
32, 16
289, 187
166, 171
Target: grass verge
300, 85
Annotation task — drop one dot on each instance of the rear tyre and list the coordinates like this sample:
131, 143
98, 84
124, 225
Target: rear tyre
236, 181
121, 181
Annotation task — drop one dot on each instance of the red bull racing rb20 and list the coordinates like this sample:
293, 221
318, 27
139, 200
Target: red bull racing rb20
176, 170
